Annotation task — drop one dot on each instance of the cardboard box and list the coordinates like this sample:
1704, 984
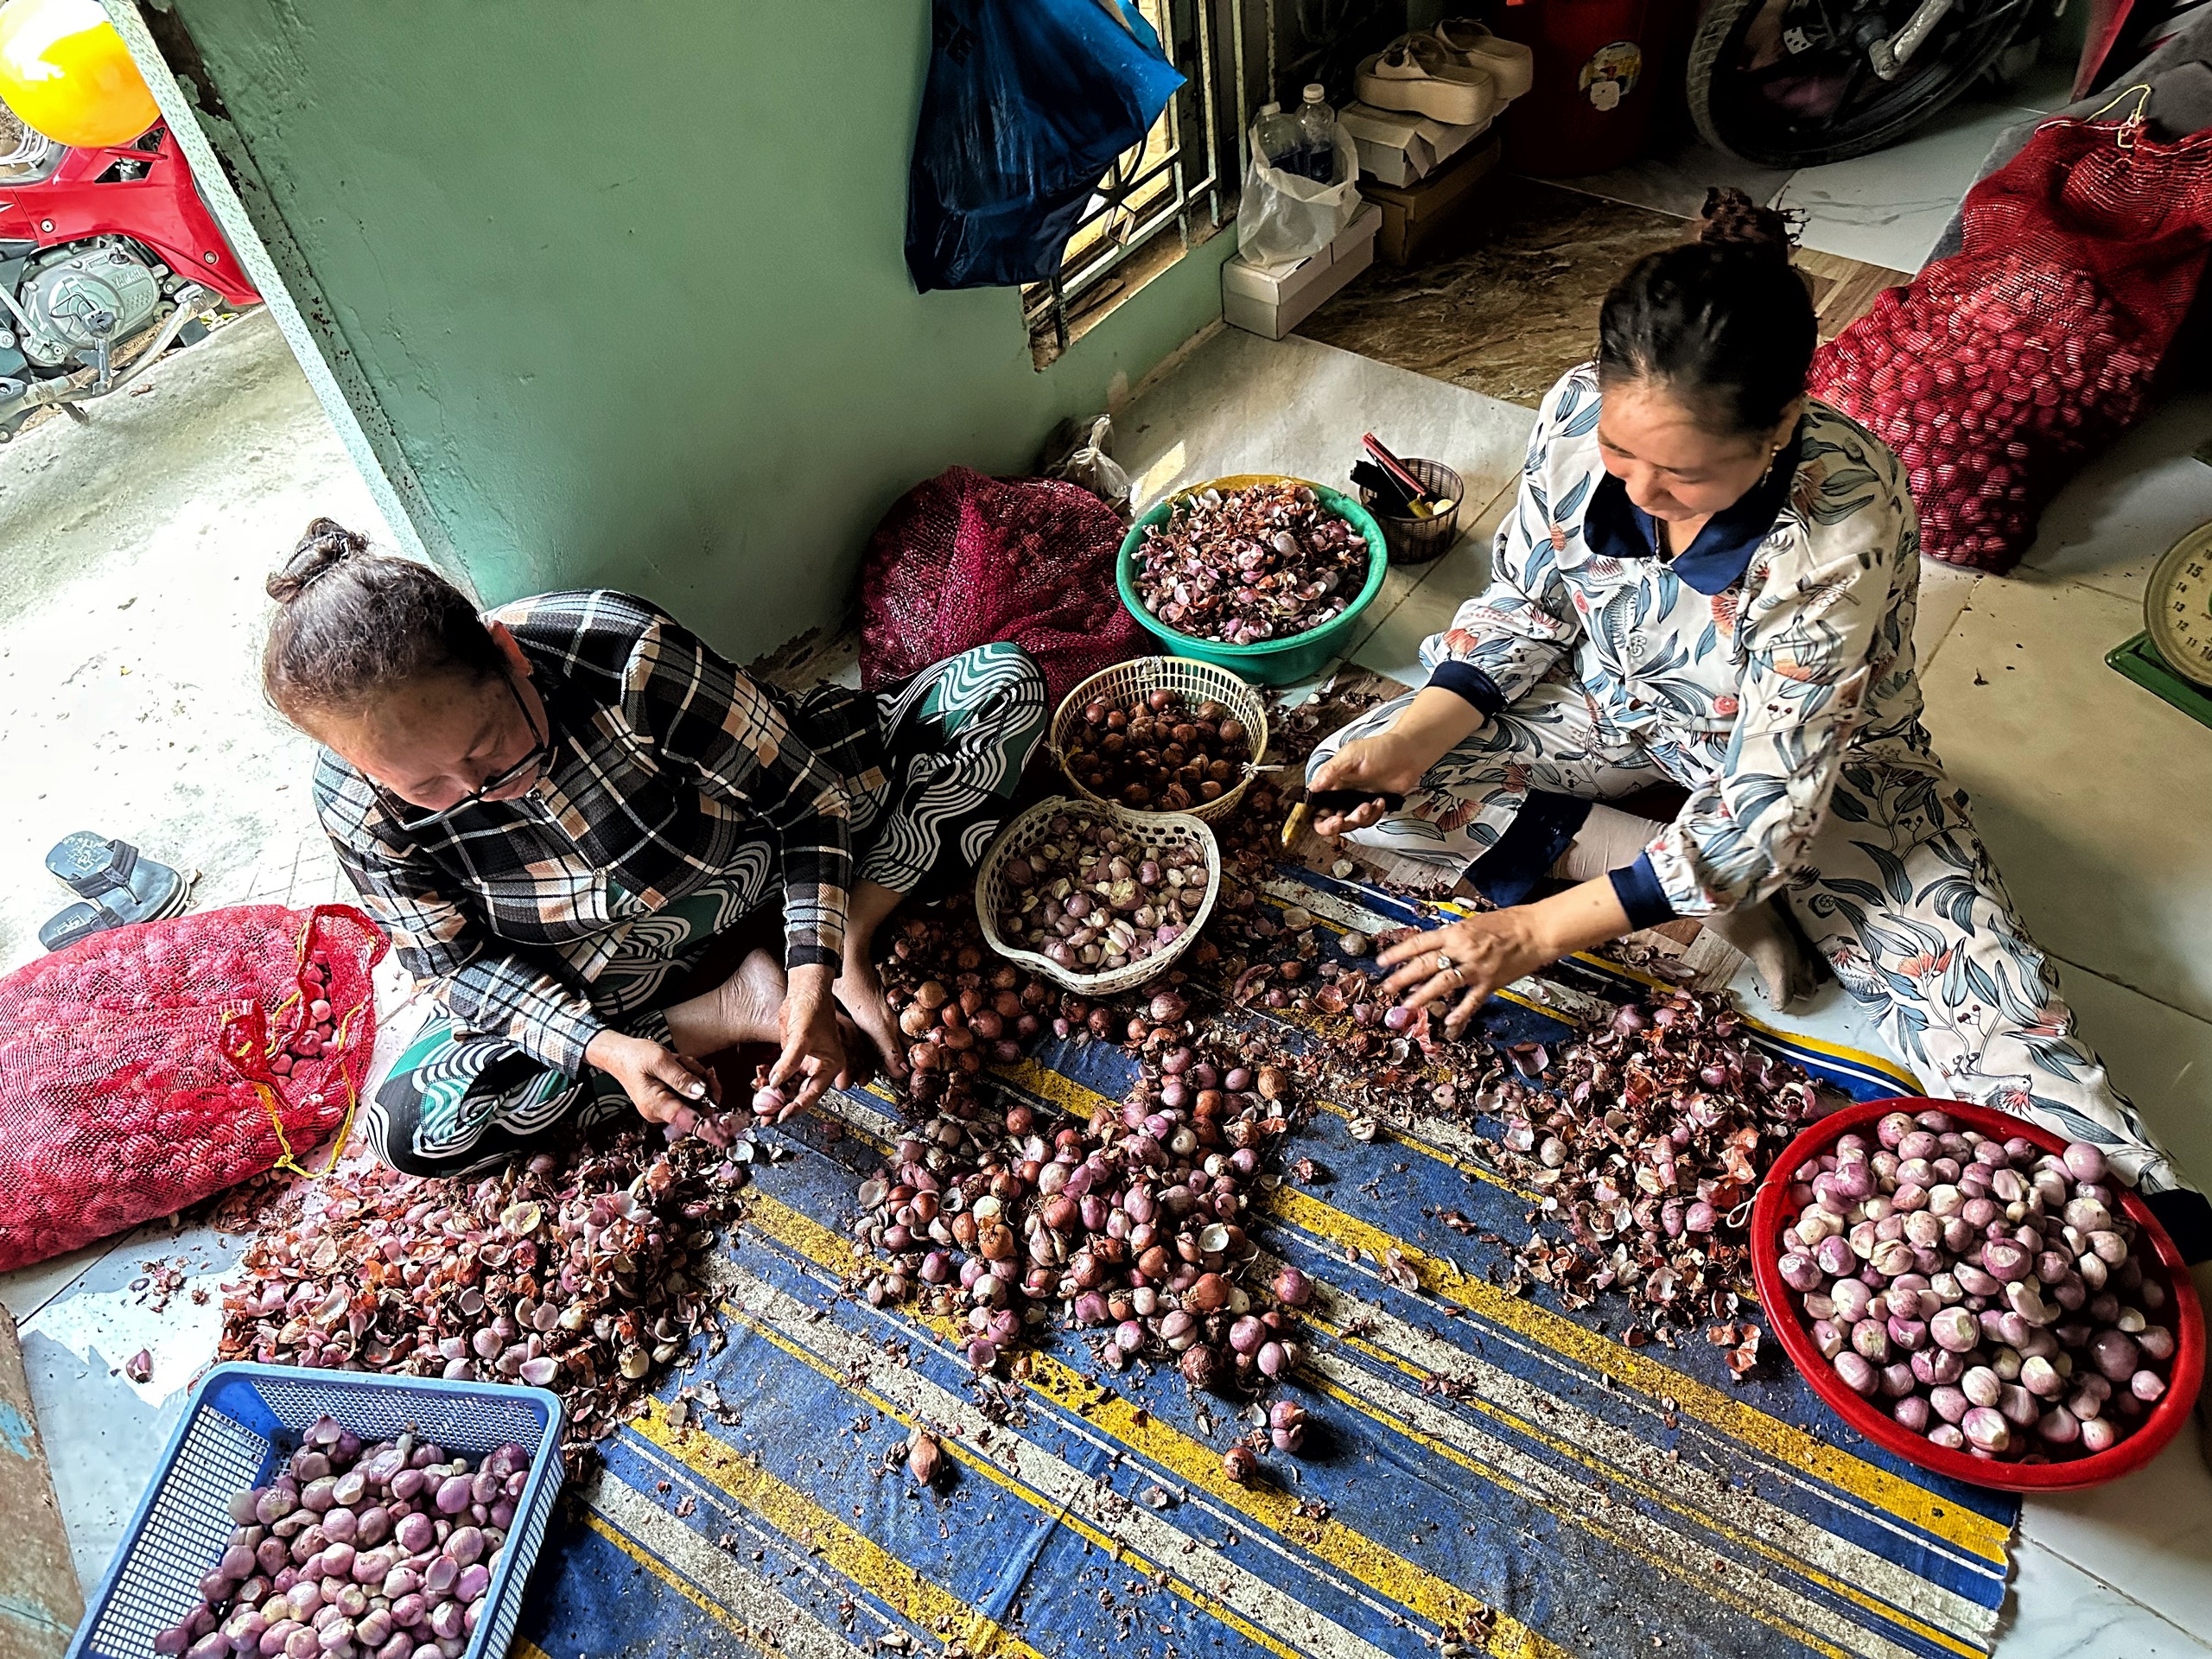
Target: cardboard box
1398, 148
1416, 215
1272, 305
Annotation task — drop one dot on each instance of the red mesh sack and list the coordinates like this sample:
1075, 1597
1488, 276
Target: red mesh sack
1999, 370
146, 1068
965, 560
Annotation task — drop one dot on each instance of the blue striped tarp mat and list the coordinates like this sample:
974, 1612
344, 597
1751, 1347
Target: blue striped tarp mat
1487, 1472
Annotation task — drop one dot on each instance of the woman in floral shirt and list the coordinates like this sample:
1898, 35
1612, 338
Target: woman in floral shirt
1708, 581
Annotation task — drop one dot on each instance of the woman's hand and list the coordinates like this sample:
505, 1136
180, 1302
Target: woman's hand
1471, 960
664, 1086
1475, 958
813, 1056
862, 994
1384, 763
1391, 762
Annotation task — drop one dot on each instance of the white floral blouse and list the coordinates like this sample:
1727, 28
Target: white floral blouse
1744, 669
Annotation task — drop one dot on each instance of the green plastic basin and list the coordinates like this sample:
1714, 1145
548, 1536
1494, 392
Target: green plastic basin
1272, 662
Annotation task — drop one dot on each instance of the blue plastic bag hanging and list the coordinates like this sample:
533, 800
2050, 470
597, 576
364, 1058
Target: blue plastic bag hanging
1027, 103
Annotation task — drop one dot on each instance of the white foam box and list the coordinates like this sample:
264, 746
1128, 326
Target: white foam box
1398, 148
1271, 305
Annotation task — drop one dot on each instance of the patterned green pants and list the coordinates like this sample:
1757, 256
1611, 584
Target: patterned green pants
956, 738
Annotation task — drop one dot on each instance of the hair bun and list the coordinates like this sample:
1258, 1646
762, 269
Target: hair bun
325, 544
1731, 219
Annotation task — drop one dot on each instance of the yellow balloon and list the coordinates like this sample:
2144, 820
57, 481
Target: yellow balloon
65, 72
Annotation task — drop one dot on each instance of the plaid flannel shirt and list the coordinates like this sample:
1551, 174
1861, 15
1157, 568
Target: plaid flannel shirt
669, 766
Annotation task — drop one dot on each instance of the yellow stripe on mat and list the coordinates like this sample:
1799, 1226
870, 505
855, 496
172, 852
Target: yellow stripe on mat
1382, 1570
860, 1558
1769, 1602
1578, 1441
1118, 1549
1786, 1443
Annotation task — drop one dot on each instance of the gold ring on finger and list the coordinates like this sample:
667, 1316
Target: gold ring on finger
1443, 962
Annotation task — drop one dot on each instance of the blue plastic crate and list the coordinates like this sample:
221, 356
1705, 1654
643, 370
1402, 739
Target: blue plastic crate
242, 1421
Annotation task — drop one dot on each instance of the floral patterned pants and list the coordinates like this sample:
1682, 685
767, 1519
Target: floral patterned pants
1898, 894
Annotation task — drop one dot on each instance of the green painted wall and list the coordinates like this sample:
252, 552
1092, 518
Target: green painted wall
627, 281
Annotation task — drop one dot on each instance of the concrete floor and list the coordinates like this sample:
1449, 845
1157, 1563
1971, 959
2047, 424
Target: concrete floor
130, 621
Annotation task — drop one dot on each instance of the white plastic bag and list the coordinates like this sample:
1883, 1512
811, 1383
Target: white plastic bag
1282, 217
1081, 452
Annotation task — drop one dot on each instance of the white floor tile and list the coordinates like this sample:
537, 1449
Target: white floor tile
2133, 503
103, 1432
1243, 404
1427, 601
1676, 180
2160, 1058
1889, 207
2150, 1534
26, 1290
2089, 792
2058, 1611
1945, 590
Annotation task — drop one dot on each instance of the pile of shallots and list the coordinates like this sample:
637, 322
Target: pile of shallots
354, 1552
1129, 1224
1158, 754
1249, 565
957, 1016
576, 1272
1990, 1294
1091, 897
1647, 1155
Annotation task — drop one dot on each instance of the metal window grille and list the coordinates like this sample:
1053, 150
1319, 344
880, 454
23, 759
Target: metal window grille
1165, 195
1172, 192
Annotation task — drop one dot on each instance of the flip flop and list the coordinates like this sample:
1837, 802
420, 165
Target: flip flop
120, 888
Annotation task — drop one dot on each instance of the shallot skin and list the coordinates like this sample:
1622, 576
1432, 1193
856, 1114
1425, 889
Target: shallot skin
1651, 1184
508, 1278
1249, 565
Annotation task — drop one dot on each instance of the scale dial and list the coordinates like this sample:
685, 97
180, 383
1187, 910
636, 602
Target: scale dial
2178, 605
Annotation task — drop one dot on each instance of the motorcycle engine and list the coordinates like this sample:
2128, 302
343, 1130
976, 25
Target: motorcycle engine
77, 299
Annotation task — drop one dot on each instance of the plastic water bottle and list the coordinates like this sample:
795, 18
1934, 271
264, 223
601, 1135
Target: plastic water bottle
1279, 140
1317, 134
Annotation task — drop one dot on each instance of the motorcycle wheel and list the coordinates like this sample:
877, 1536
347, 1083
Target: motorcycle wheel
1831, 105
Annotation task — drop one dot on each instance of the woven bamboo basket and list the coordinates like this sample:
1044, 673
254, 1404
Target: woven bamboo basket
1198, 681
1155, 832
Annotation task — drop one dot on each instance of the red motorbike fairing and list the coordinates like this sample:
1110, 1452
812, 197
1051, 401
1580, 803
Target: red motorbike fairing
86, 196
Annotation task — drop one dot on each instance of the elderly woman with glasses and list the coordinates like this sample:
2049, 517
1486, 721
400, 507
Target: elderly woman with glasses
553, 810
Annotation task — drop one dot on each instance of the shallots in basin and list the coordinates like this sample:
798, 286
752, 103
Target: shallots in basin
1988, 1294
1092, 897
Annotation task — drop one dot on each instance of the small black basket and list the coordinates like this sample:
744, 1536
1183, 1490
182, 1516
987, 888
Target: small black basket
1416, 541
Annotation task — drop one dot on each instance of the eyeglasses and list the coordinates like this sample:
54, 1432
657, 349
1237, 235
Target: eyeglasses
414, 817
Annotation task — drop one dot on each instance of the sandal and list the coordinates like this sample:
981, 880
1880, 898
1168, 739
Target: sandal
1417, 75
121, 889
1510, 65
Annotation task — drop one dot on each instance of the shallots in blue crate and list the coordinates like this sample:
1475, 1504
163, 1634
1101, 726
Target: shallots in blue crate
353, 1551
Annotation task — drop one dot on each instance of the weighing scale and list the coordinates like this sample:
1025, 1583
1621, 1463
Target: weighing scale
2172, 657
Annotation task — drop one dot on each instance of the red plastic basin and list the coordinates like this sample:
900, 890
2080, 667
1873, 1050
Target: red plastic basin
1771, 1214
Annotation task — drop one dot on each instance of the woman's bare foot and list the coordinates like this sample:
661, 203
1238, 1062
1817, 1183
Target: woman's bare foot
1788, 966
746, 1007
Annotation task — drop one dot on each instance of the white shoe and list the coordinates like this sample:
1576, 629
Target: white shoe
1418, 75
1509, 64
